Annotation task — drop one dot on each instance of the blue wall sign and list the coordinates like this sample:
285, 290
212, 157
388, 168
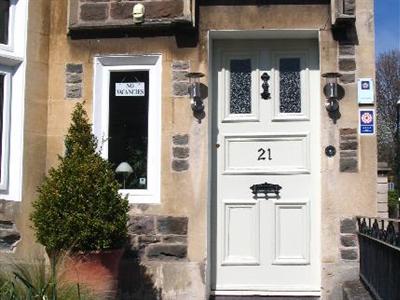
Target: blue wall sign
366, 121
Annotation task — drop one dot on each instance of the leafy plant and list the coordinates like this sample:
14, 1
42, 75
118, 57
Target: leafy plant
393, 199
79, 207
37, 280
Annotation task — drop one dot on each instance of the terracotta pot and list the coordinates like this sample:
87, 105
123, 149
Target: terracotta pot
95, 270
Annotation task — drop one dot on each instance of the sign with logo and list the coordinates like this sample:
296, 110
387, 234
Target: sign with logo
367, 121
365, 89
129, 89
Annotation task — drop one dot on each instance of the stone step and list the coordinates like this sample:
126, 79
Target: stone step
262, 298
355, 290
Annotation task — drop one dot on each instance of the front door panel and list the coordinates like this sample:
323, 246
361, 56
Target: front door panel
266, 129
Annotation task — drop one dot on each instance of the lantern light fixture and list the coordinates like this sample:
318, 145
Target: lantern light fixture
331, 91
195, 91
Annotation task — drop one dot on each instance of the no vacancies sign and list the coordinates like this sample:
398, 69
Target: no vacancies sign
129, 89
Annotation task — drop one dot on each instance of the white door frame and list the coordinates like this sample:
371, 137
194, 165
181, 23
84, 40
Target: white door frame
250, 34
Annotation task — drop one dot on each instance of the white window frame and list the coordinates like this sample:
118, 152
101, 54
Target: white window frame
5, 145
13, 65
15, 47
103, 66
11, 25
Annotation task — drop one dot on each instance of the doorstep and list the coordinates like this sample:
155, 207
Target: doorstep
355, 290
263, 298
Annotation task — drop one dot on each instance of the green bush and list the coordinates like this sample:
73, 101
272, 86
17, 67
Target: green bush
79, 207
393, 198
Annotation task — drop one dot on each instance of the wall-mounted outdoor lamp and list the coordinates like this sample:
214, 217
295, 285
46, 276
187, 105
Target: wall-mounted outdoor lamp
332, 91
138, 13
125, 169
195, 91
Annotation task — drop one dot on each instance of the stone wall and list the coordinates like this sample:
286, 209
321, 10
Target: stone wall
160, 238
92, 14
348, 150
156, 263
9, 235
349, 249
382, 190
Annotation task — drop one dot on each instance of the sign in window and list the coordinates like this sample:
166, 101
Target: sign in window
128, 127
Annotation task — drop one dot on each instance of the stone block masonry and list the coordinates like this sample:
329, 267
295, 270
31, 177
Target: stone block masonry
348, 150
348, 239
9, 235
73, 81
158, 238
347, 63
179, 80
180, 152
110, 13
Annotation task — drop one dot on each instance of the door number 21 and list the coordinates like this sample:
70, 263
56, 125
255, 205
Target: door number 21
262, 152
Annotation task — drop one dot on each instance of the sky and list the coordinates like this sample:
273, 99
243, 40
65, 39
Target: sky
387, 25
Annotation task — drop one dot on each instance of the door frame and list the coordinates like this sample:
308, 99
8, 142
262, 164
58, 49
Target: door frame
214, 35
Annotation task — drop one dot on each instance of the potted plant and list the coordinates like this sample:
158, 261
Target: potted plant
79, 210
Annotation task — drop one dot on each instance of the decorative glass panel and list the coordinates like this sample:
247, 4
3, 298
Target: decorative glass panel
240, 86
289, 85
4, 19
128, 127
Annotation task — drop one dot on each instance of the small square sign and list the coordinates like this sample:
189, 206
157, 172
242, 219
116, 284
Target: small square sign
366, 121
365, 90
129, 89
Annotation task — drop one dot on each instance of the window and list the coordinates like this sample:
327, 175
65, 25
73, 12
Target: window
13, 27
291, 81
4, 21
128, 126
127, 119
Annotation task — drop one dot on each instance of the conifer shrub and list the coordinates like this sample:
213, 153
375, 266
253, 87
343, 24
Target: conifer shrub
78, 206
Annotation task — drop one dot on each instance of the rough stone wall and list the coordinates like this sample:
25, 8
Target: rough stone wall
348, 150
161, 238
382, 190
382, 196
109, 13
9, 234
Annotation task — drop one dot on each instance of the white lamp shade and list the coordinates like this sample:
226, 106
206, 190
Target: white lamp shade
124, 167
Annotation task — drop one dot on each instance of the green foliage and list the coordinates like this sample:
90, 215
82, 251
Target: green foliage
79, 207
36, 280
393, 198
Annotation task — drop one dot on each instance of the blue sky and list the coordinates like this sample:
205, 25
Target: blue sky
387, 25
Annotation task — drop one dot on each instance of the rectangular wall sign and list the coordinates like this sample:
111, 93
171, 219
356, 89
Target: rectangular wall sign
365, 88
129, 89
366, 121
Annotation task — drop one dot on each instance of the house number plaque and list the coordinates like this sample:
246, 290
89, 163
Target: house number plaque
262, 152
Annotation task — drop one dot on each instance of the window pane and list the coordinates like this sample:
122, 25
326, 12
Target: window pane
289, 85
240, 87
128, 127
4, 20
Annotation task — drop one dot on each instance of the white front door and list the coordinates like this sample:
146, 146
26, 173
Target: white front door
266, 129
